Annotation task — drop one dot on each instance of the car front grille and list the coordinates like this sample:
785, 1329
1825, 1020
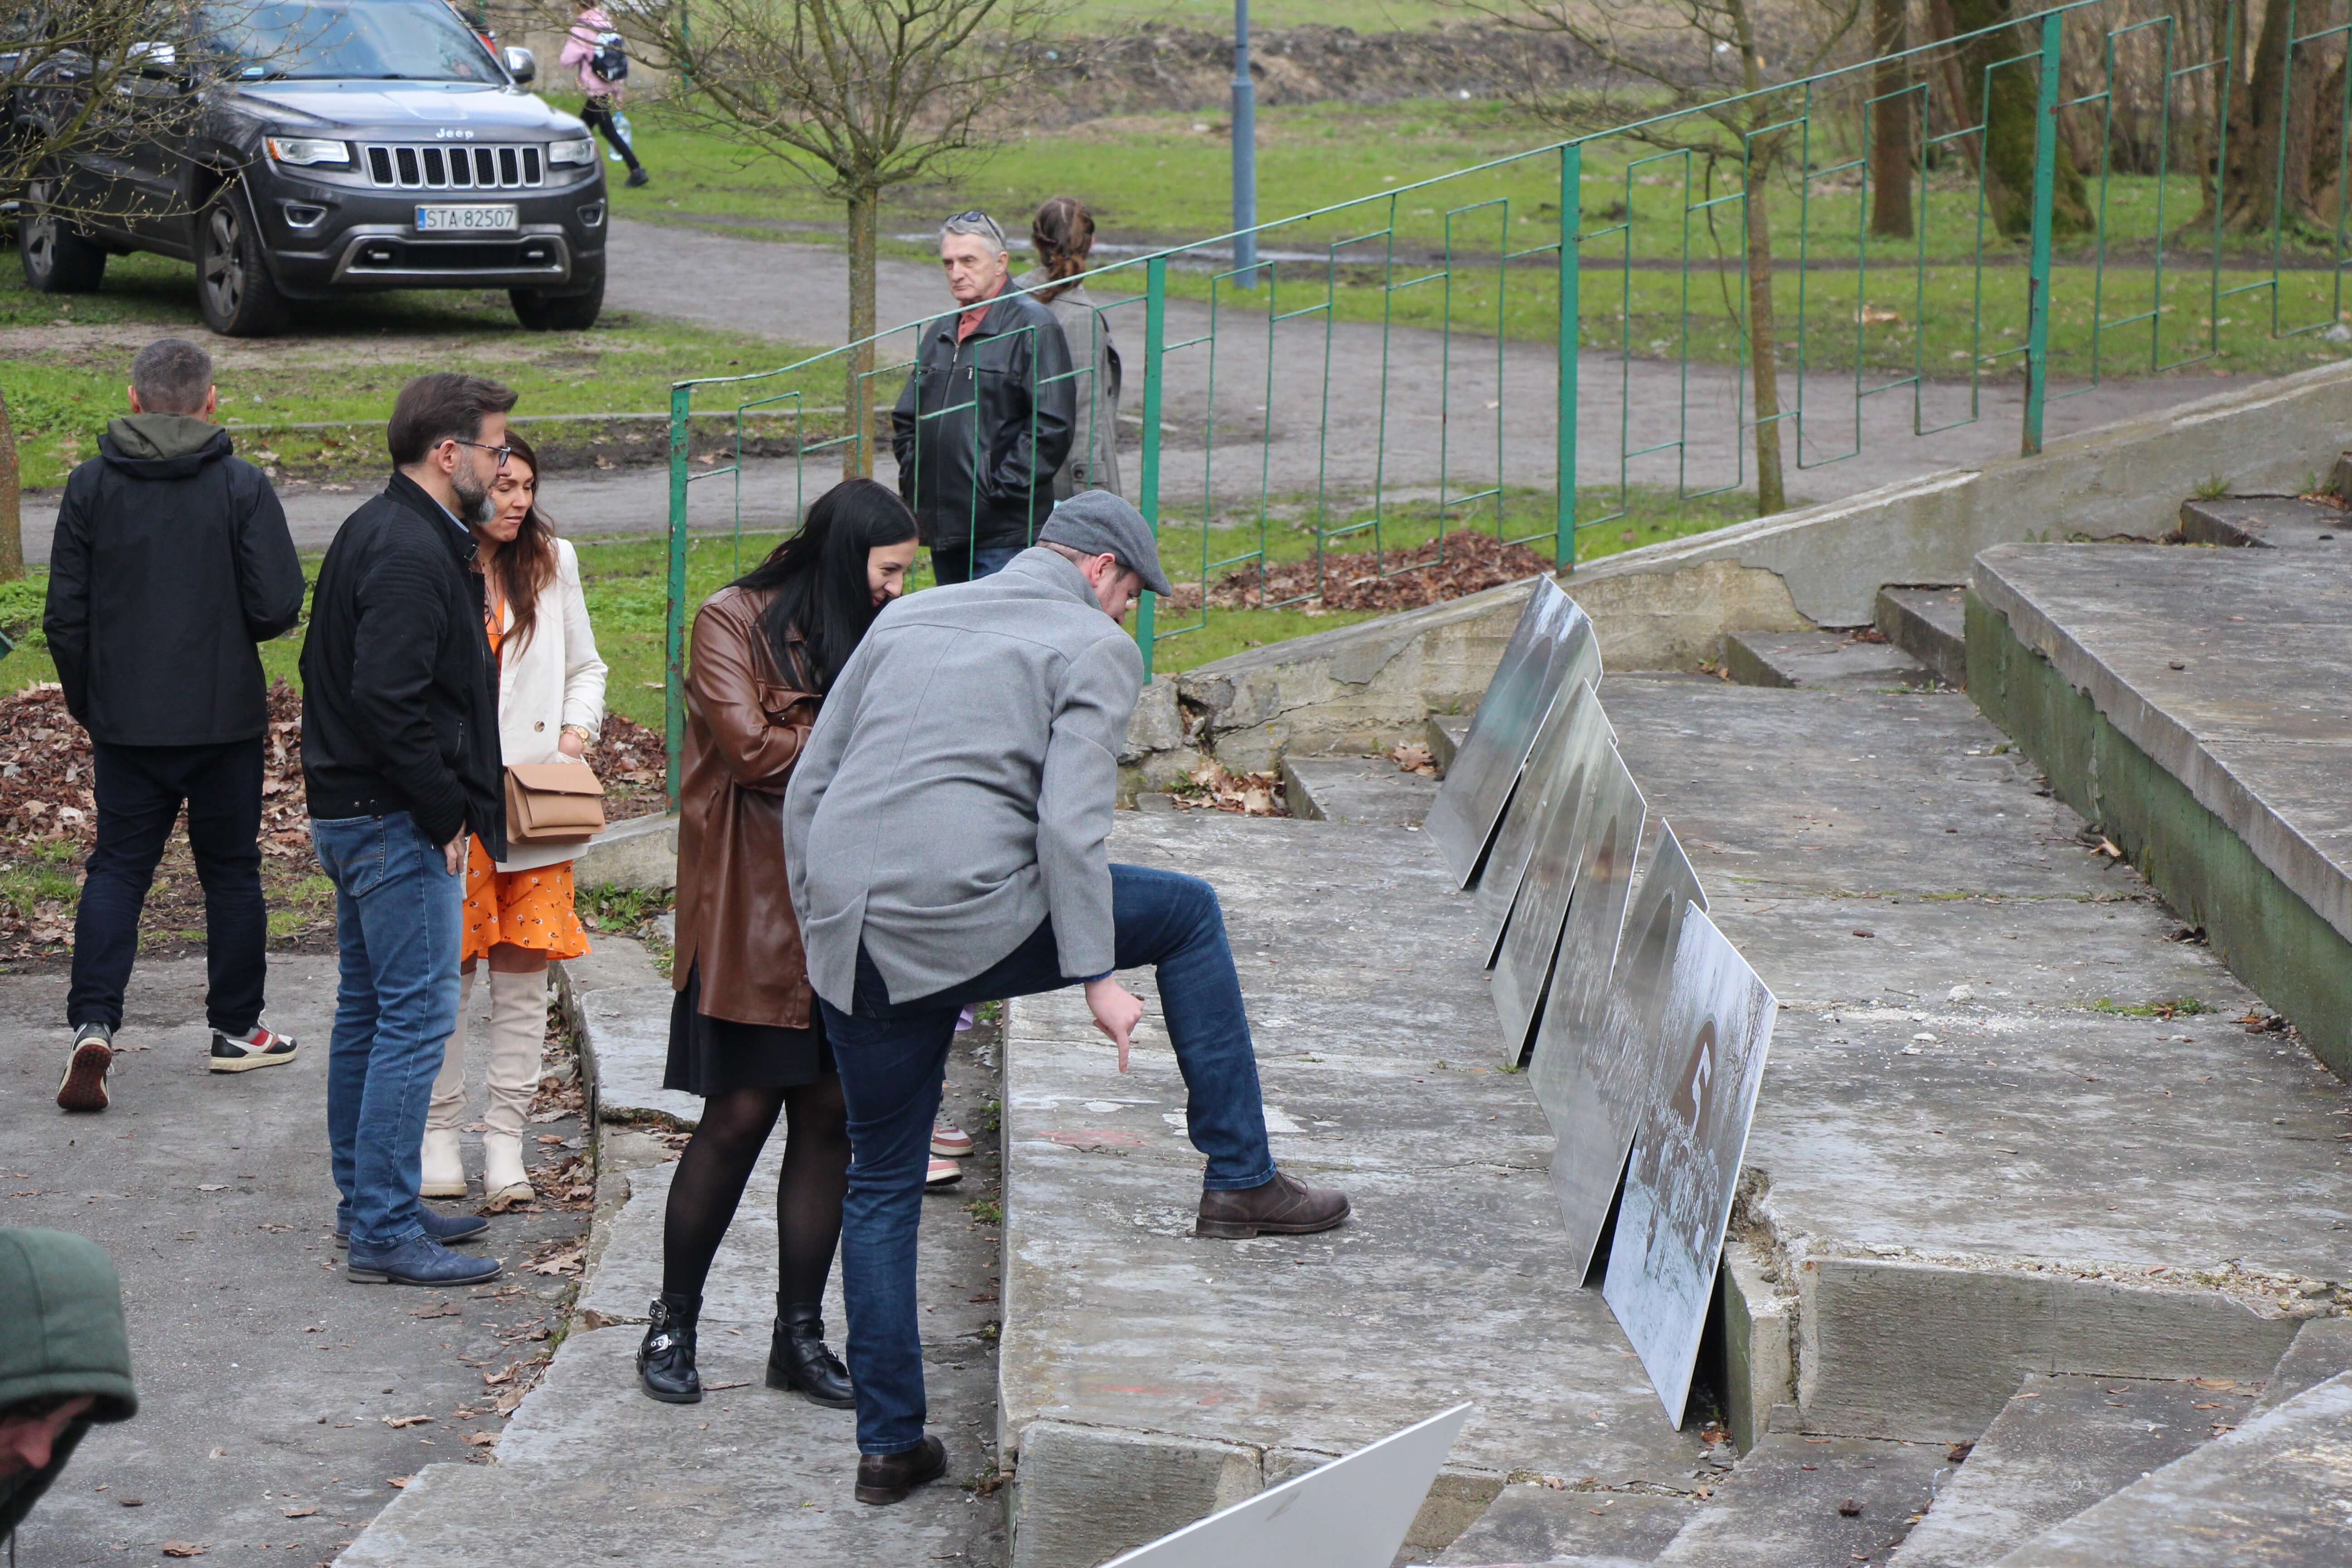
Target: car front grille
433, 167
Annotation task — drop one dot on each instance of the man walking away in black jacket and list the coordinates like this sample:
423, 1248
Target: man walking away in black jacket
171, 560
985, 420
400, 755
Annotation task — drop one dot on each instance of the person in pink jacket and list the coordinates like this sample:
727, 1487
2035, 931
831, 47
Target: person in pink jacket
594, 50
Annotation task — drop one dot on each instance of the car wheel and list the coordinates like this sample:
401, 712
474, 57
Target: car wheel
544, 312
234, 289
57, 259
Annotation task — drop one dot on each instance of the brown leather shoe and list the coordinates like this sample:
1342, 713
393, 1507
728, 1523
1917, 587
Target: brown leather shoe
888, 1477
1283, 1207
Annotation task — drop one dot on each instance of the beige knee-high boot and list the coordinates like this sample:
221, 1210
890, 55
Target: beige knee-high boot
445, 1173
518, 1036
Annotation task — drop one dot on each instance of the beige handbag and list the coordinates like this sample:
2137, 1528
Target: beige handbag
553, 803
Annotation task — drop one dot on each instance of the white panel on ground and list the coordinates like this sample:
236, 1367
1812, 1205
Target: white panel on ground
1351, 1514
1587, 763
1592, 1071
1551, 650
1528, 810
1718, 1027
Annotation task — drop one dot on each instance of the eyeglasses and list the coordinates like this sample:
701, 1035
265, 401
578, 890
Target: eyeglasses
977, 224
503, 452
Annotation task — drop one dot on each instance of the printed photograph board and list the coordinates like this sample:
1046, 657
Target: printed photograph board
1551, 650
1531, 936
1530, 807
1351, 1514
1715, 1030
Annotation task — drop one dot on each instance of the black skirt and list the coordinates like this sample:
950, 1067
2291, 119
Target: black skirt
714, 1056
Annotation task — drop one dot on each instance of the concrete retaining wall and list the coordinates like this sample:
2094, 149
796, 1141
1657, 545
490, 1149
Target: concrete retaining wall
1668, 605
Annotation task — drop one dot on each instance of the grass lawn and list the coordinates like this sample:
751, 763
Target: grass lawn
1922, 305
64, 361
1217, 15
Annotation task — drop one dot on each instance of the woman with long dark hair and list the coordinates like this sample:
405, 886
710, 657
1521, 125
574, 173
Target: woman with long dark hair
1063, 235
518, 912
744, 1033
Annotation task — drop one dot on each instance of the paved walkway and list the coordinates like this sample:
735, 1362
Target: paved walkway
591, 1470
266, 1381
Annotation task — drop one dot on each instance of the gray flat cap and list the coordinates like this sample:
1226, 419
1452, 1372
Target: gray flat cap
1099, 523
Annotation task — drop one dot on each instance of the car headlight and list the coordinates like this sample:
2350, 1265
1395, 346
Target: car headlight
304, 151
583, 151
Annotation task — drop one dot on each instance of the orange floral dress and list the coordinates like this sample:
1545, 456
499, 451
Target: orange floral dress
527, 909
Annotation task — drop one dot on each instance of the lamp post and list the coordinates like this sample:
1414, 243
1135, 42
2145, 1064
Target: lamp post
1245, 154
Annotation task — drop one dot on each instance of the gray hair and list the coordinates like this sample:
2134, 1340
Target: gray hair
172, 377
977, 223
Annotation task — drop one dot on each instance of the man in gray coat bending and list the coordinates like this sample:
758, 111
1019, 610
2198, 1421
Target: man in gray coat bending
946, 833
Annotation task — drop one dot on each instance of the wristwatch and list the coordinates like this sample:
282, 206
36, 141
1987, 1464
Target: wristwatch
587, 736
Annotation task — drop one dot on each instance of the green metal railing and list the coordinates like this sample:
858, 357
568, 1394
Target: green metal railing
1559, 341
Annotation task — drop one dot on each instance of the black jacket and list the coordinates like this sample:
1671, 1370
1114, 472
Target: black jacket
982, 425
171, 560
400, 700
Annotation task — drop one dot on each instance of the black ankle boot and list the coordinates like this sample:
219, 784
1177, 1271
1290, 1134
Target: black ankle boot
797, 1358
666, 1361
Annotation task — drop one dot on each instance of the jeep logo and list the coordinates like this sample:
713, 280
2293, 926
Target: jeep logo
447, 131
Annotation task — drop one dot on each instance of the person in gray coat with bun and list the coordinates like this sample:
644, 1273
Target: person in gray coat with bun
1063, 235
947, 835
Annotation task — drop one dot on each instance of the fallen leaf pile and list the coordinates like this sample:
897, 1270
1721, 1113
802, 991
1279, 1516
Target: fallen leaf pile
630, 760
1215, 788
1471, 563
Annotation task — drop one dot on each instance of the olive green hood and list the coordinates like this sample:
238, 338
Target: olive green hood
63, 1308
160, 437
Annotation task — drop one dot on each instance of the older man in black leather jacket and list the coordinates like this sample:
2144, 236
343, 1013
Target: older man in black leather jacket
985, 419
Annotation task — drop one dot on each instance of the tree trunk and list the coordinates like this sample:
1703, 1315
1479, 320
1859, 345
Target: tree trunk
2007, 155
858, 457
1890, 143
12, 517
1763, 341
2273, 133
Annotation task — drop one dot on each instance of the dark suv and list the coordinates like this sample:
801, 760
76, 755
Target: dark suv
304, 149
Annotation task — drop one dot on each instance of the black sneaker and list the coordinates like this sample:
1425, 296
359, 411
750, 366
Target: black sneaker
87, 1066
638, 177
261, 1049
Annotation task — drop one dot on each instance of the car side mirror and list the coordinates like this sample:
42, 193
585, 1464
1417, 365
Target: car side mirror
521, 64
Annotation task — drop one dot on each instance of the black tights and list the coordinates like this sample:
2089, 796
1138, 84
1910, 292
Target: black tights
717, 1163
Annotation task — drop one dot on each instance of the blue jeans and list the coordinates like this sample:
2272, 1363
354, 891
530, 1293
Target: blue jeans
396, 928
963, 563
892, 1055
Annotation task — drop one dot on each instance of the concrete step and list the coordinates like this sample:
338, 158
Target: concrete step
1366, 791
1931, 626
2322, 1348
1806, 1502
1534, 1523
1849, 660
2270, 1494
2191, 702
1965, 987
2267, 522
2059, 1445
1444, 735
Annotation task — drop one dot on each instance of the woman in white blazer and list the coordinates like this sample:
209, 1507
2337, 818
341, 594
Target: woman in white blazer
518, 912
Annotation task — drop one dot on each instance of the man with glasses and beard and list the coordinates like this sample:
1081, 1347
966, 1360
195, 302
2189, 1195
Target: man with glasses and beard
400, 755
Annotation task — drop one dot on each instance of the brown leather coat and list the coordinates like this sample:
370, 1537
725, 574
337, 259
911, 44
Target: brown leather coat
745, 726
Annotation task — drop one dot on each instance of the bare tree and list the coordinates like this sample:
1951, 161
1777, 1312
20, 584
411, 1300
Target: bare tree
857, 95
2281, 147
1737, 131
74, 74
